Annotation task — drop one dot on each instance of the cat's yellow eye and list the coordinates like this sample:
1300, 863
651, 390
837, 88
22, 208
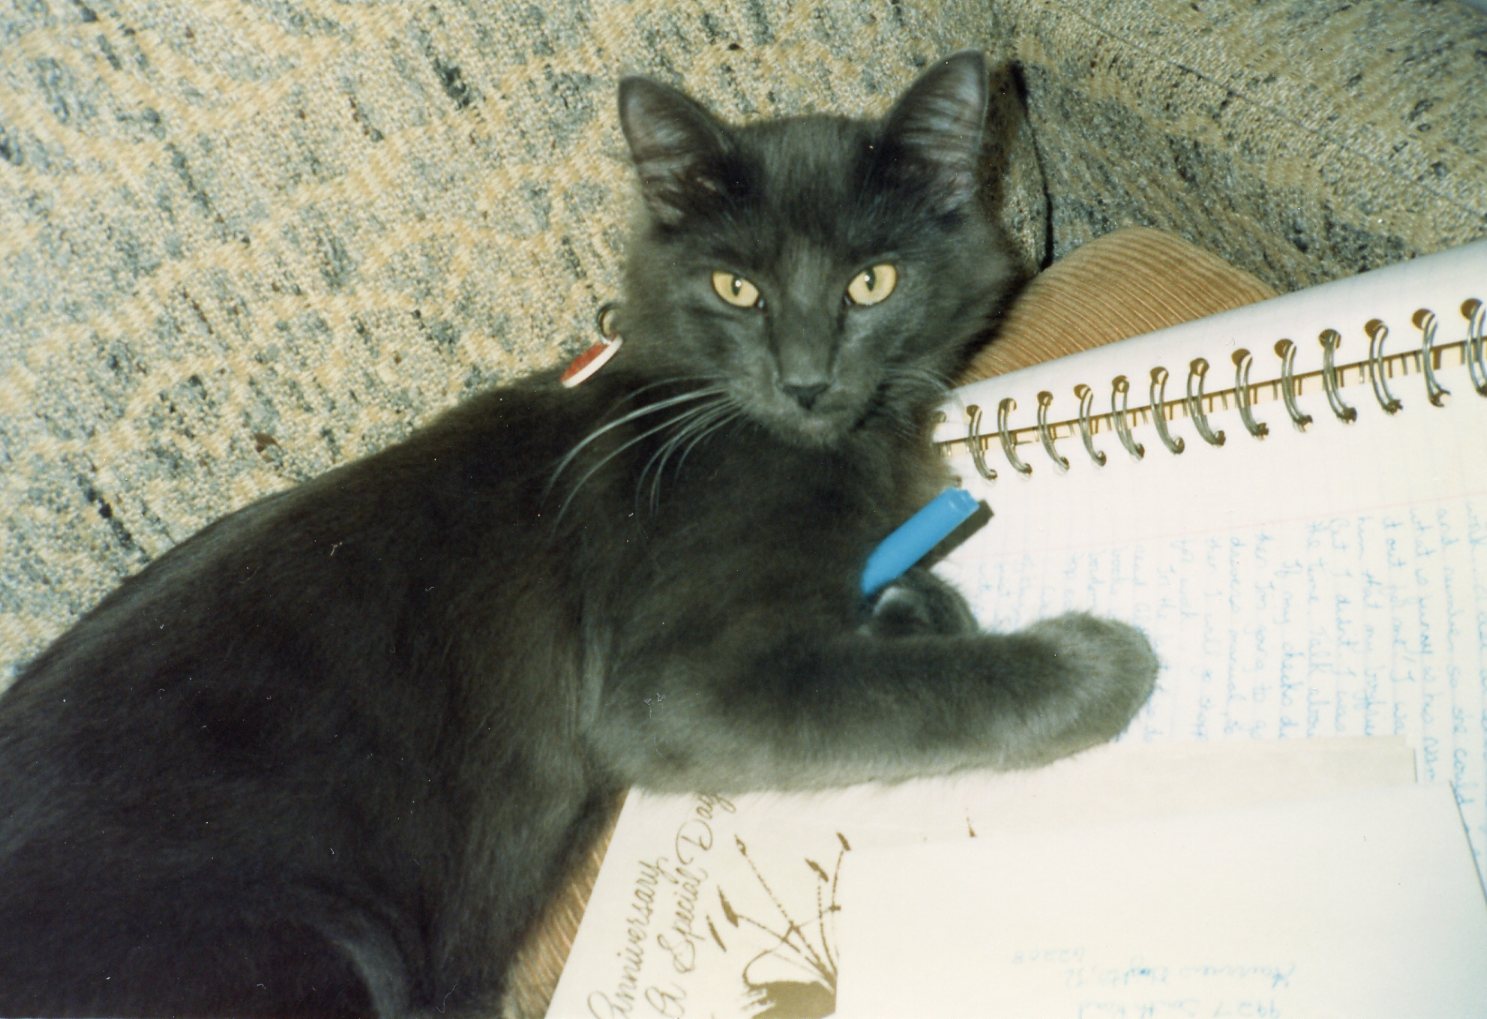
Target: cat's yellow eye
873, 285
736, 290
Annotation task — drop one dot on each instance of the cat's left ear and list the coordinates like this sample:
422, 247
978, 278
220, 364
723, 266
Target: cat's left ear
938, 122
677, 146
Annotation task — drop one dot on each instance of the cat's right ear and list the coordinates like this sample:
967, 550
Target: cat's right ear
938, 122
677, 146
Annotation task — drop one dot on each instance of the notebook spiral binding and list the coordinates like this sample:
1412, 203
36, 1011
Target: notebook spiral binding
1194, 404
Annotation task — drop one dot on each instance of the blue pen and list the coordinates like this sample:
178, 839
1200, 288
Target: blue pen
915, 537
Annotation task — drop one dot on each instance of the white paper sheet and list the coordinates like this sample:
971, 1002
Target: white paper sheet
1360, 906
721, 907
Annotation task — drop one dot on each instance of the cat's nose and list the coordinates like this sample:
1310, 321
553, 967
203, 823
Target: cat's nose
806, 395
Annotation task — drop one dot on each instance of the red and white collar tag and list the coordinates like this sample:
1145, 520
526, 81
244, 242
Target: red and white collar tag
585, 365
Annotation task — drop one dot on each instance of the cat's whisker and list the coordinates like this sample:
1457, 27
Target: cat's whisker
674, 380
594, 436
684, 423
697, 432
732, 413
632, 441
720, 418
702, 420
657, 461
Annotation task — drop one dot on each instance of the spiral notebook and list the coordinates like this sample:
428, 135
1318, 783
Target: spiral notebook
1290, 498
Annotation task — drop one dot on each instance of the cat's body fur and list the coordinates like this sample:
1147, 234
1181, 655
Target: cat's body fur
330, 755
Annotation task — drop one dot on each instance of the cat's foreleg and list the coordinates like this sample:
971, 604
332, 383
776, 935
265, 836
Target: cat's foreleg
752, 707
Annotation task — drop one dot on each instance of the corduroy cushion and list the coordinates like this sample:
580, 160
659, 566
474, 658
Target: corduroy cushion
1126, 283
1129, 282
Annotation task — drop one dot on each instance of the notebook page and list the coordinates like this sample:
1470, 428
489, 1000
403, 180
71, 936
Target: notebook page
1332, 582
1359, 906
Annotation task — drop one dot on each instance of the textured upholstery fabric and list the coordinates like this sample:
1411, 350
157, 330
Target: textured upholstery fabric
1302, 140
241, 242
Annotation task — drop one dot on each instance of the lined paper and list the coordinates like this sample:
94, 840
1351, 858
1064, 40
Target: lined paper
1330, 580
1319, 583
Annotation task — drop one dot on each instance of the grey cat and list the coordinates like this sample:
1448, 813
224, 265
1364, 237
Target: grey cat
330, 755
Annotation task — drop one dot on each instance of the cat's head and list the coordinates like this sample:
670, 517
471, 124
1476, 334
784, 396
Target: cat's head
826, 272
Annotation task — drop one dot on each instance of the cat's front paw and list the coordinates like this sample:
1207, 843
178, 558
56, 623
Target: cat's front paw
1110, 670
919, 603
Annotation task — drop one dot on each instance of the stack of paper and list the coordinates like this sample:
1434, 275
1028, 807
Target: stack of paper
954, 896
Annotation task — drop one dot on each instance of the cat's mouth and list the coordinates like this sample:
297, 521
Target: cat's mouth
820, 420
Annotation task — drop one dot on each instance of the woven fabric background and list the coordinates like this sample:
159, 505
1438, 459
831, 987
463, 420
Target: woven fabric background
244, 240
1301, 140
